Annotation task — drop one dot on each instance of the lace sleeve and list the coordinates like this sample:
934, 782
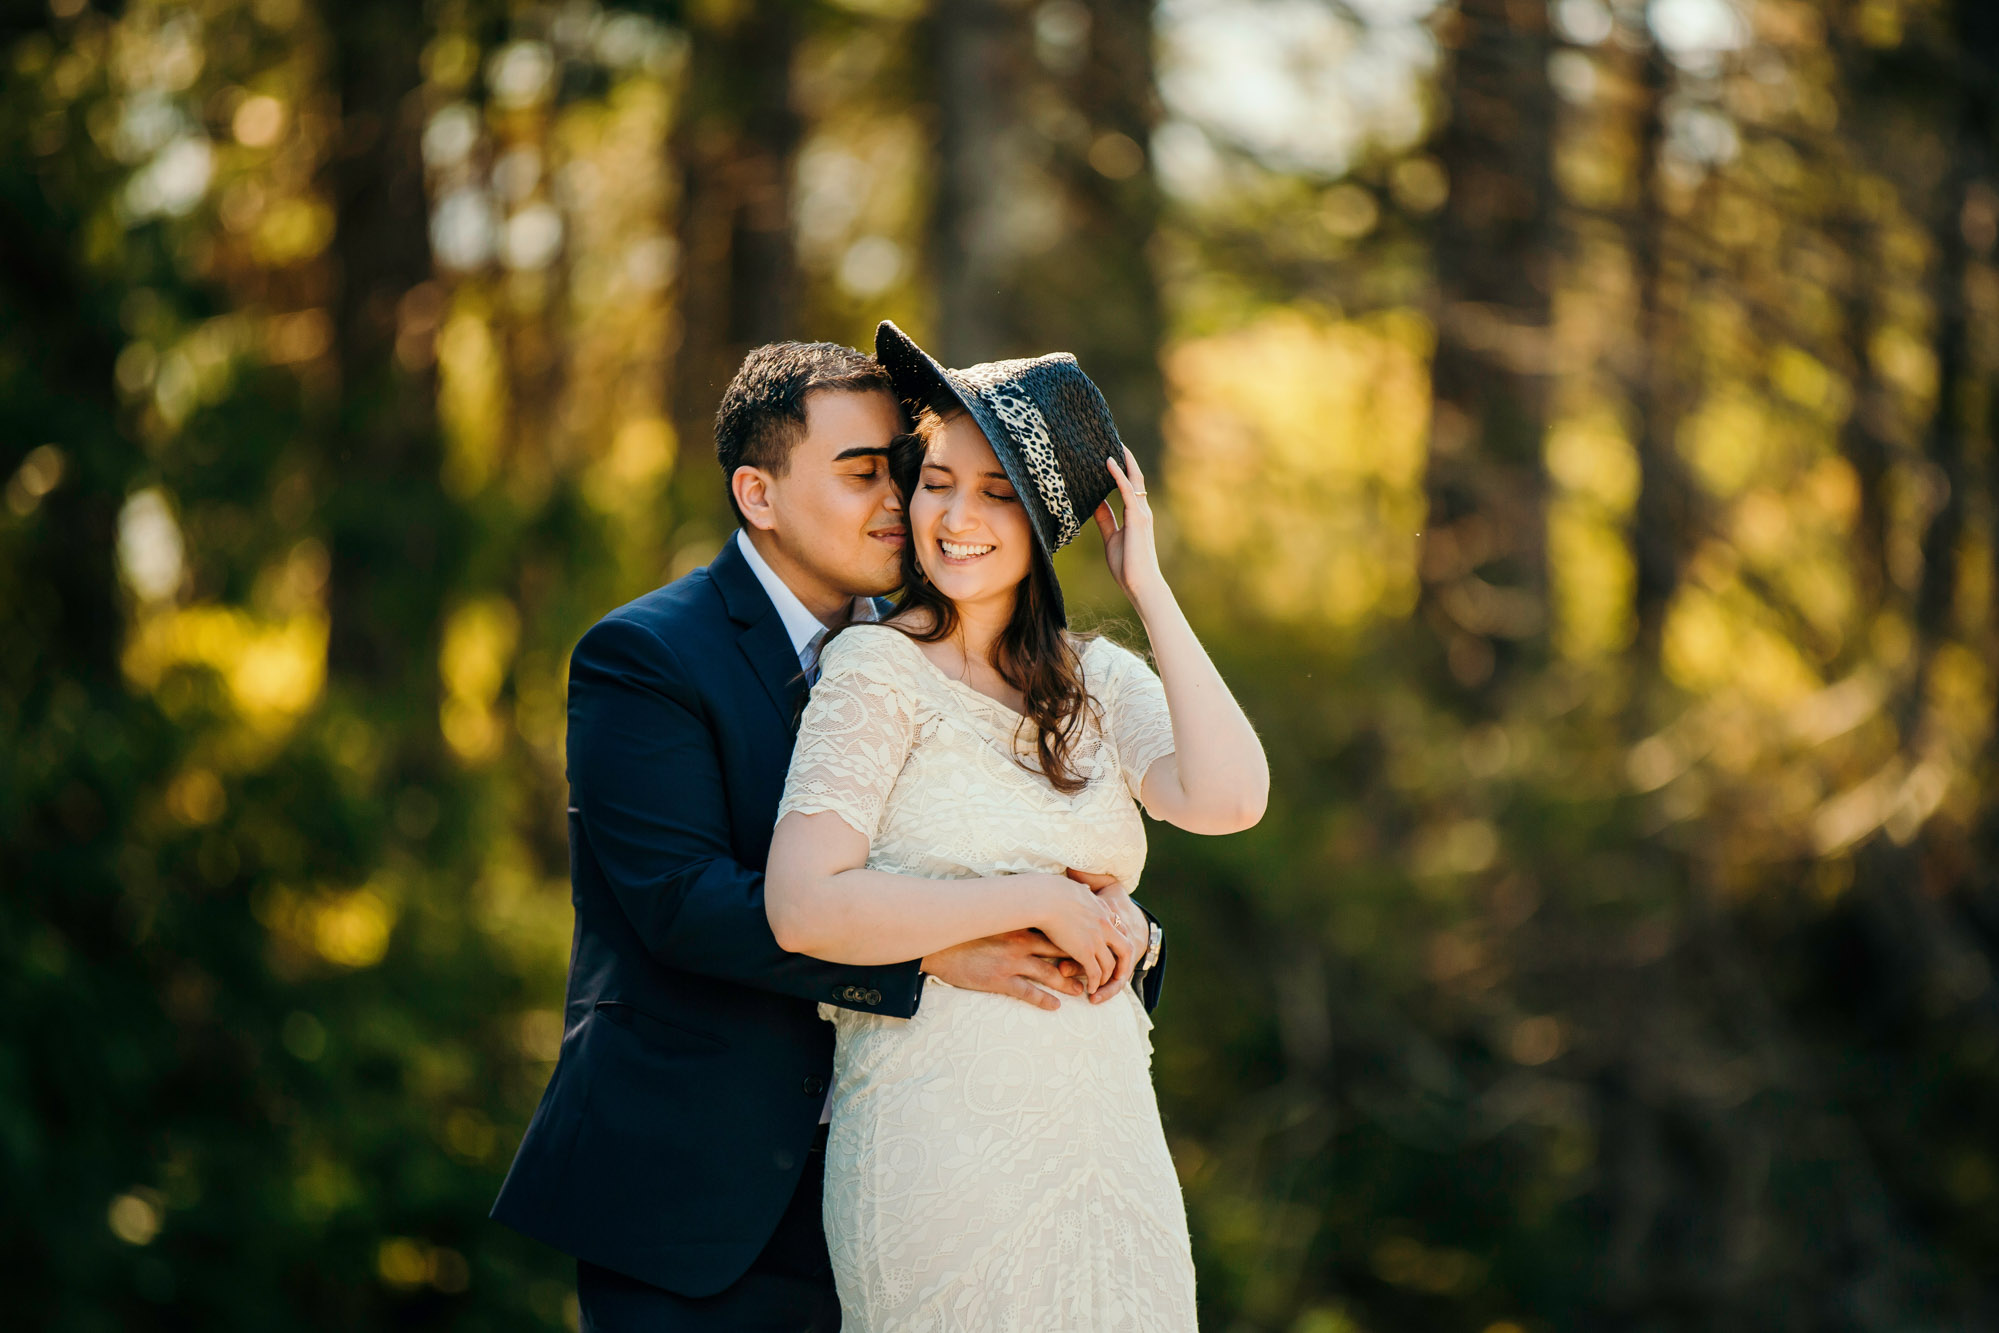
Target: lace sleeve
1135, 713
855, 734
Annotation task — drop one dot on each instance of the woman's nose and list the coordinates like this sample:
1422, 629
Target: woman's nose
956, 516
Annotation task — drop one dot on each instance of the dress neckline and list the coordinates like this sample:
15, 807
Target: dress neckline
948, 679
993, 715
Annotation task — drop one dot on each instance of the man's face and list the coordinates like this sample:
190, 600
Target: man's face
834, 516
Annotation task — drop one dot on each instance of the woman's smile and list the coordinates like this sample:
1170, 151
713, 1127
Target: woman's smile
963, 553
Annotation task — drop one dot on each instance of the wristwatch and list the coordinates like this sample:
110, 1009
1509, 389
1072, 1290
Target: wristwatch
1154, 939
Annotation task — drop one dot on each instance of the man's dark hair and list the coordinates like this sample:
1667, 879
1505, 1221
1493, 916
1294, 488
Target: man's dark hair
762, 416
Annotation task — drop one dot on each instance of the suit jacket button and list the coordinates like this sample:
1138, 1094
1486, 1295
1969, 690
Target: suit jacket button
782, 1159
874, 997
814, 1085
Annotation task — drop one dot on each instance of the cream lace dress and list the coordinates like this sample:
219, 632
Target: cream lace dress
992, 1167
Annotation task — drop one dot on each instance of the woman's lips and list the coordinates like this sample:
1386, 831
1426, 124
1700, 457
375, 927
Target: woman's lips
964, 553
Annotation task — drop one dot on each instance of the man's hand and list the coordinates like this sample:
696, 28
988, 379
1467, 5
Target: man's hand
1113, 896
1019, 963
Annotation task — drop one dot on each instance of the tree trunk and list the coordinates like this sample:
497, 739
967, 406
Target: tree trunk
1967, 140
1485, 582
1663, 518
735, 145
1978, 30
1862, 441
979, 59
1110, 308
384, 510
1045, 198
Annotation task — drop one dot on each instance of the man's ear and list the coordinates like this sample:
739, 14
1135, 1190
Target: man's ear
751, 487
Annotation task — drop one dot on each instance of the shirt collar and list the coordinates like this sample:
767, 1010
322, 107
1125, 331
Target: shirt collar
799, 623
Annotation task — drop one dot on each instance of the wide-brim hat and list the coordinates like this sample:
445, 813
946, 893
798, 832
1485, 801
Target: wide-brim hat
1047, 423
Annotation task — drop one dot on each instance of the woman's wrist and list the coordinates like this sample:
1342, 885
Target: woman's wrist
1052, 894
1152, 597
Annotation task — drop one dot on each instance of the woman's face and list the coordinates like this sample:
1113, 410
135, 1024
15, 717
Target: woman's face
970, 530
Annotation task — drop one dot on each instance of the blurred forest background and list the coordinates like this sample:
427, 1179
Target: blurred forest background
1575, 420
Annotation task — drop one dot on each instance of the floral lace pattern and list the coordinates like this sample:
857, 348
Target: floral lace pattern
992, 1166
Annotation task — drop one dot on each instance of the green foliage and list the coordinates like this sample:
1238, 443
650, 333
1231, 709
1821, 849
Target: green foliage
1618, 949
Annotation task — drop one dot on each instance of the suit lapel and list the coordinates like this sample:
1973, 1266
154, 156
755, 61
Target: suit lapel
760, 633
768, 649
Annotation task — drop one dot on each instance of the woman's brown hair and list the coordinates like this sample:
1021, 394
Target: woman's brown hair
1034, 653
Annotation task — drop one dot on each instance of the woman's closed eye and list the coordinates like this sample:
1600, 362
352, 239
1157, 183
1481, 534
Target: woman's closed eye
935, 487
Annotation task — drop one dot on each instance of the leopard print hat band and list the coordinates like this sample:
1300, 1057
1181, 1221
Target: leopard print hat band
1029, 430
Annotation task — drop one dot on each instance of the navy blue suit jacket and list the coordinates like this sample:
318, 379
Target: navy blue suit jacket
693, 1062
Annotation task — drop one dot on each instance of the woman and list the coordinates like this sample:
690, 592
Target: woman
992, 1165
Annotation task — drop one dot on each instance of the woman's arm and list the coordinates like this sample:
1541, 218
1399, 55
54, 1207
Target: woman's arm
1217, 779
824, 902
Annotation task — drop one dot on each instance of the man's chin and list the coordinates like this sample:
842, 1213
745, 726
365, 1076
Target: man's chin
889, 582
881, 577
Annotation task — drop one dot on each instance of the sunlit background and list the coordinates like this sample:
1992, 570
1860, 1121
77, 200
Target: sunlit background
1574, 422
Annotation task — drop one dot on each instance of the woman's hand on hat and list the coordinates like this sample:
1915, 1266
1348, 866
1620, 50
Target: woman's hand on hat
1129, 547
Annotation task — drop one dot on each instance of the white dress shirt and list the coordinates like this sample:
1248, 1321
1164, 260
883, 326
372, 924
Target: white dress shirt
805, 629
807, 633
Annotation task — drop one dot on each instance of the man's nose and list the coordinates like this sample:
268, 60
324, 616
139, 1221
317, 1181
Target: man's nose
894, 501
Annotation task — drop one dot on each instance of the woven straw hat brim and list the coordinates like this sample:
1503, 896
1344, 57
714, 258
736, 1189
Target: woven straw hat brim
921, 381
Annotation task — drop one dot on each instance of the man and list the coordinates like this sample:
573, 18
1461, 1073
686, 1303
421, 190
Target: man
676, 1151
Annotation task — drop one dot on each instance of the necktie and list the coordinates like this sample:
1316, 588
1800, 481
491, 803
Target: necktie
808, 657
